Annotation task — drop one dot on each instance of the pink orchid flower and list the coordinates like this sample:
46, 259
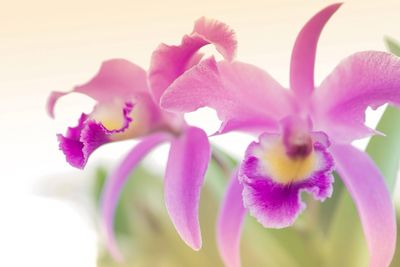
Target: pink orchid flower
306, 133
127, 107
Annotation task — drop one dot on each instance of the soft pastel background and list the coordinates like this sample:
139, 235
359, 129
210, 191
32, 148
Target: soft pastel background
53, 45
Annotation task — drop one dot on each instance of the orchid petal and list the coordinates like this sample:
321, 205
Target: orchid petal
117, 78
304, 51
230, 222
368, 190
242, 94
393, 46
217, 33
116, 182
361, 80
169, 62
187, 163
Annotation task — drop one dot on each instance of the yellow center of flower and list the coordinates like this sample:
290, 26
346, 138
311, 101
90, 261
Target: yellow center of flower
285, 169
138, 127
112, 124
111, 116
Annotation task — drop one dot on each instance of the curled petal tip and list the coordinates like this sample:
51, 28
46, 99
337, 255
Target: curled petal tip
113, 249
332, 8
117, 78
219, 34
51, 102
304, 52
196, 245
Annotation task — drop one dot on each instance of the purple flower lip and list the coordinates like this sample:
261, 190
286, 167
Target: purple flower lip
273, 180
81, 141
292, 155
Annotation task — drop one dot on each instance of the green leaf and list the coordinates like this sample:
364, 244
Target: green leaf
122, 223
120, 220
345, 242
392, 46
385, 150
151, 239
396, 258
147, 227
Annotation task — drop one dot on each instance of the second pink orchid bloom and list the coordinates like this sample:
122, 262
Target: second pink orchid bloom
127, 107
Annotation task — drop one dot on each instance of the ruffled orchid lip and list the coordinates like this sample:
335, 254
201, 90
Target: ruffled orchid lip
80, 141
273, 179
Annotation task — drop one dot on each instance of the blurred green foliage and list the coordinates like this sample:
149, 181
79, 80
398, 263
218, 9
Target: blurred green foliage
144, 231
147, 237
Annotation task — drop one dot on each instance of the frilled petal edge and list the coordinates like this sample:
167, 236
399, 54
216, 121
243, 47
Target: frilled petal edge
169, 61
81, 141
273, 182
